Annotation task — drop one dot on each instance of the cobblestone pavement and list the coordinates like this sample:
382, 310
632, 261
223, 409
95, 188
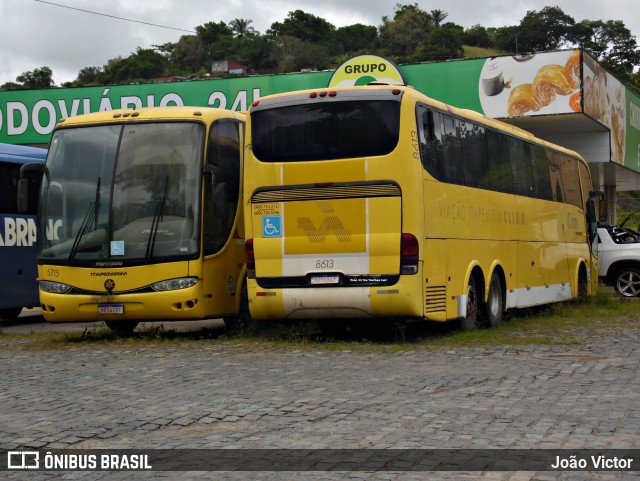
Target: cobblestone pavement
222, 394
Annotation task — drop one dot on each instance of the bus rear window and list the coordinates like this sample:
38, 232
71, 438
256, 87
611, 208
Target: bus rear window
325, 130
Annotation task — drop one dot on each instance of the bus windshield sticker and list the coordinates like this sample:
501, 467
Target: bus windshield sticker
117, 248
271, 226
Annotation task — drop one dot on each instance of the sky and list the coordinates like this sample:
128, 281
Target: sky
64, 36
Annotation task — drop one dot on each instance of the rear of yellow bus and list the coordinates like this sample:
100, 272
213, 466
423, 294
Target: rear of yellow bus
333, 205
139, 217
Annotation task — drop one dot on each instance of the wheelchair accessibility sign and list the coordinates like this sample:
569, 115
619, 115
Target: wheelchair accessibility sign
271, 226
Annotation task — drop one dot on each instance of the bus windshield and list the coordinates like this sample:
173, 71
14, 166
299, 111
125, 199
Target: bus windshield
326, 130
135, 191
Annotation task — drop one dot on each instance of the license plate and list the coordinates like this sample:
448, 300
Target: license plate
110, 309
321, 280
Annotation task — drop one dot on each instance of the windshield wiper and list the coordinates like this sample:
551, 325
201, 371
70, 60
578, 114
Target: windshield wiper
157, 217
89, 217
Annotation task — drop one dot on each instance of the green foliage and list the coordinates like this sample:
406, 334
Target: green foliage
402, 35
442, 44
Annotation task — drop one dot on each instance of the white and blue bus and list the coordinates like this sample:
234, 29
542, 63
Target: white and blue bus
18, 281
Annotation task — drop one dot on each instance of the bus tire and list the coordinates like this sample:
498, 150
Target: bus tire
240, 321
10, 313
494, 307
583, 286
470, 320
122, 328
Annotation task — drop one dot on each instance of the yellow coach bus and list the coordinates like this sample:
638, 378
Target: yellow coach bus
378, 201
140, 217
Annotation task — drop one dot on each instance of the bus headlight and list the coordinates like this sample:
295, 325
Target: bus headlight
175, 284
54, 287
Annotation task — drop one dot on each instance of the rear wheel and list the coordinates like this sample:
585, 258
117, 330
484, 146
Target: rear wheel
493, 309
122, 328
627, 282
470, 320
10, 312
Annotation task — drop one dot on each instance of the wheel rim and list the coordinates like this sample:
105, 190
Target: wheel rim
628, 284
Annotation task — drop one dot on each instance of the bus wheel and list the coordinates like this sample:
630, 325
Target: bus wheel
470, 320
121, 328
494, 306
627, 282
10, 312
241, 320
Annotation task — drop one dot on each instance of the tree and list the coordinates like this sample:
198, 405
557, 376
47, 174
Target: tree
39, 78
401, 36
88, 75
438, 16
356, 38
544, 30
144, 64
211, 32
189, 53
10, 86
476, 36
611, 43
294, 54
443, 43
304, 26
241, 27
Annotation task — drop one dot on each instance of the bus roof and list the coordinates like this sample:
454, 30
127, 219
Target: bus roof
21, 154
150, 113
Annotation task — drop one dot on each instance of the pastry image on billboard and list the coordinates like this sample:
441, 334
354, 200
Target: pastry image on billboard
540, 84
549, 82
522, 100
605, 101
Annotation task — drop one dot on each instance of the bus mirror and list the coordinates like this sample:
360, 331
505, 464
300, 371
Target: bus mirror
592, 223
598, 196
28, 174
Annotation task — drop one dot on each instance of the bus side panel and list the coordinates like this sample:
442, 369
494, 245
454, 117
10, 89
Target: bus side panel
18, 258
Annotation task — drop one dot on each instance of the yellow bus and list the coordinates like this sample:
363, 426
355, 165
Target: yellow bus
140, 217
379, 202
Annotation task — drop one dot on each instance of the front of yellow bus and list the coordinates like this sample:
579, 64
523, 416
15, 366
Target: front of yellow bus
327, 173
120, 221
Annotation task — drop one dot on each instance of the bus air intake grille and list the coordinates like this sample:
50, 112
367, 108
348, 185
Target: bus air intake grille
436, 299
333, 191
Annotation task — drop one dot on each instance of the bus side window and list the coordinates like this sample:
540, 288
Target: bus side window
474, 153
522, 168
570, 179
221, 184
542, 178
452, 151
500, 174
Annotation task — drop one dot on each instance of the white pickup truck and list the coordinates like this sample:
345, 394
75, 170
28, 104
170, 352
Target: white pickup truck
618, 250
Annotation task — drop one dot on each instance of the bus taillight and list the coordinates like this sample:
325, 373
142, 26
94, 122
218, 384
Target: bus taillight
251, 259
409, 250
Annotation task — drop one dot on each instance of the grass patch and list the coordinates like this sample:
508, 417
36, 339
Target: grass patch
568, 324
474, 52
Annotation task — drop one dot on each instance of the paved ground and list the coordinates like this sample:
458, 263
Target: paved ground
221, 394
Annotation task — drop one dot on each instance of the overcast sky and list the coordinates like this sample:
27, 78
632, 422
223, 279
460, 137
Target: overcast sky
35, 33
